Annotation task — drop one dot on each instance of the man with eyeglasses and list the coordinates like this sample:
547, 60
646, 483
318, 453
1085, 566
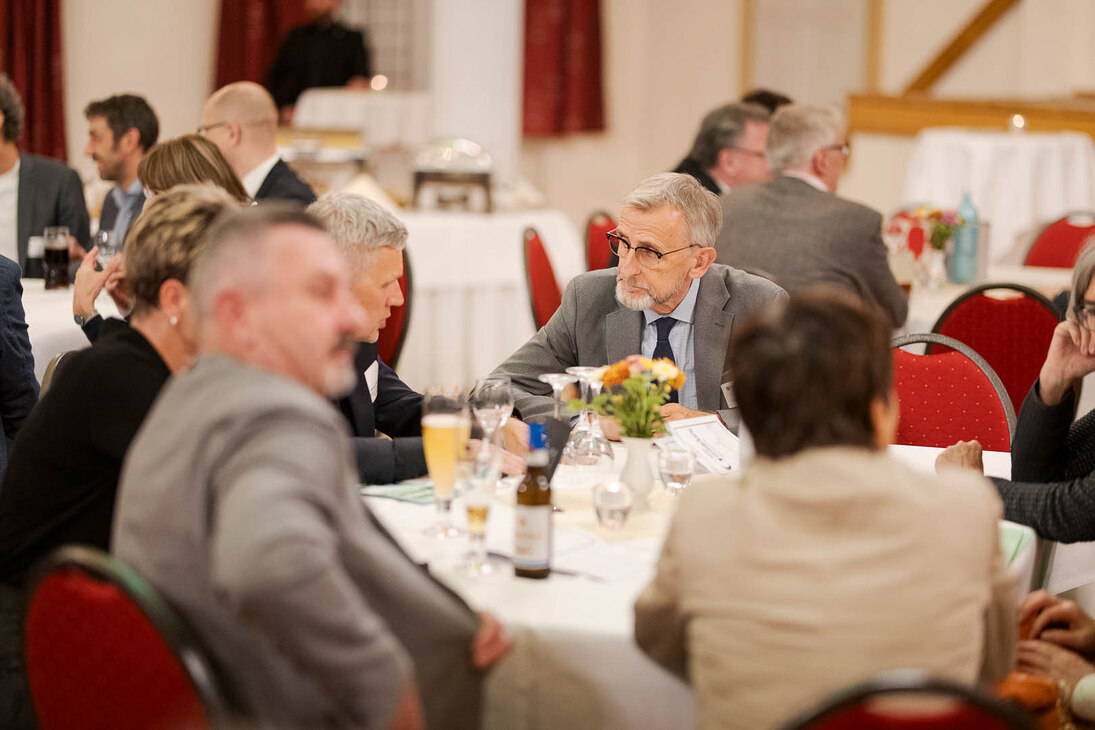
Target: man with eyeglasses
667, 298
729, 148
242, 121
796, 230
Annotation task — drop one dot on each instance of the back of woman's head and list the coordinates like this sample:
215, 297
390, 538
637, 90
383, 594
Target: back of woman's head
168, 236
806, 371
189, 159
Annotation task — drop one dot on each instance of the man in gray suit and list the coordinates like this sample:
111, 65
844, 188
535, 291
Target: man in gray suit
239, 501
795, 230
666, 299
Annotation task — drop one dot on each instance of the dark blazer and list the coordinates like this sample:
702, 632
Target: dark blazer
108, 216
282, 183
1052, 470
18, 386
397, 412
690, 167
50, 194
800, 236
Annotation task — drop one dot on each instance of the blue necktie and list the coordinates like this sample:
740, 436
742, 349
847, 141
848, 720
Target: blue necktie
663, 348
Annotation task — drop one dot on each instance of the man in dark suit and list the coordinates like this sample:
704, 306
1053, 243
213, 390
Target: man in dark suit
35, 192
322, 52
729, 148
120, 130
242, 121
795, 230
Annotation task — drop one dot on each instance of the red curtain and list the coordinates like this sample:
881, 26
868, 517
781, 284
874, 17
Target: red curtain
250, 33
30, 53
562, 93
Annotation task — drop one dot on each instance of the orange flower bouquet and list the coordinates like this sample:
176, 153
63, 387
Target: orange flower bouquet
636, 387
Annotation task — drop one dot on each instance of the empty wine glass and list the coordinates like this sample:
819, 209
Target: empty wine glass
445, 428
587, 449
676, 464
478, 494
558, 381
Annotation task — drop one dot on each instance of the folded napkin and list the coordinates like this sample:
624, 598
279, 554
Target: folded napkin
1012, 541
415, 491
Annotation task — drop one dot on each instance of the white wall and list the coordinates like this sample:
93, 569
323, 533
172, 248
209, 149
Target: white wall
160, 49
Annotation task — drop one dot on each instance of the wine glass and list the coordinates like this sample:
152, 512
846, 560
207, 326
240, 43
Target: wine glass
478, 495
587, 449
557, 381
676, 464
492, 403
445, 428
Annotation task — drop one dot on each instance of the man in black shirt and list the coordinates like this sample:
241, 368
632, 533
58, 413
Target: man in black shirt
322, 52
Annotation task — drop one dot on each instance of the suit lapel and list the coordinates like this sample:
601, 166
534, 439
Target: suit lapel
711, 332
623, 334
26, 197
361, 402
268, 182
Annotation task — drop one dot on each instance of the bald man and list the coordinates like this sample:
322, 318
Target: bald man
242, 121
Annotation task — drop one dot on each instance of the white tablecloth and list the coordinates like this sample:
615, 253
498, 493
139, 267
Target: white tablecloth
471, 309
50, 324
575, 662
386, 118
1016, 180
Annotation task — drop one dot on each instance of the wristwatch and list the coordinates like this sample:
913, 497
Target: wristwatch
82, 319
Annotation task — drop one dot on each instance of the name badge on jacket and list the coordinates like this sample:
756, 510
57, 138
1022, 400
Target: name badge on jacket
372, 373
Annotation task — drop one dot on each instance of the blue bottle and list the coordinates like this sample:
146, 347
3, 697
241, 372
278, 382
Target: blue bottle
963, 269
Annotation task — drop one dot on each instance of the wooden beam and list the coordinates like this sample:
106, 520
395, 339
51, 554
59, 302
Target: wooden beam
875, 29
990, 13
906, 116
748, 20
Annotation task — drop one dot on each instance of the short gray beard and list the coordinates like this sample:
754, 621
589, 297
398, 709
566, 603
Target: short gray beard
647, 301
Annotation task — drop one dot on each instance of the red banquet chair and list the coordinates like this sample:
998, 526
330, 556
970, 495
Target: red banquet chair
598, 253
105, 652
394, 335
1059, 244
1012, 334
543, 288
948, 396
923, 703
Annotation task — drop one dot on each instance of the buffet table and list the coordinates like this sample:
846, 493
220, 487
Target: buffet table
385, 118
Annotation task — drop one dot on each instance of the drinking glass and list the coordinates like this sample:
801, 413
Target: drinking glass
492, 403
676, 464
55, 257
612, 504
445, 428
587, 449
110, 245
478, 494
558, 381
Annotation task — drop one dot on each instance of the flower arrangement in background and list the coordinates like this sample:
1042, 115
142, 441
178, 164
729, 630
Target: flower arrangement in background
940, 225
636, 387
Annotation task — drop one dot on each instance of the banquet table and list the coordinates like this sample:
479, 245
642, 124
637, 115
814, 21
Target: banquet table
470, 308
1016, 180
385, 118
574, 662
49, 322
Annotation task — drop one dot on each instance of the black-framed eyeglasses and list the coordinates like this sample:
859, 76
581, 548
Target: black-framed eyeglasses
644, 255
1085, 317
747, 151
844, 148
202, 129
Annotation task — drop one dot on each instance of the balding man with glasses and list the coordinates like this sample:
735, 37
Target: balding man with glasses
667, 298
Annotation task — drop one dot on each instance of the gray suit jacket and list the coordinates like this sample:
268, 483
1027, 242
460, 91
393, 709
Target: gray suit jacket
592, 328
239, 501
800, 236
50, 194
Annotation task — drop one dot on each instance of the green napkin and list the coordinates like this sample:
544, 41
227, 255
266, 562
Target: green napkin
415, 491
1012, 541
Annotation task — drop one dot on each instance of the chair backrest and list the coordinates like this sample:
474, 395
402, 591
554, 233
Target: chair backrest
598, 253
910, 700
105, 652
949, 396
51, 371
1012, 334
1059, 244
394, 334
543, 289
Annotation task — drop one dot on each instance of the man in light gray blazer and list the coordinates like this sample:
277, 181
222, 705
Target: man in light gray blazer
239, 501
664, 240
795, 229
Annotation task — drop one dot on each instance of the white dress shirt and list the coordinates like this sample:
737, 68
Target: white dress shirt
681, 339
9, 213
253, 180
812, 180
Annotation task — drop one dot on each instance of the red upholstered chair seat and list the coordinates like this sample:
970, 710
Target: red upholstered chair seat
390, 343
1012, 334
598, 252
863, 717
544, 293
1059, 244
946, 398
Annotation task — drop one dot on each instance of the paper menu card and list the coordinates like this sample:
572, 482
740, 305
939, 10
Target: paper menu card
716, 449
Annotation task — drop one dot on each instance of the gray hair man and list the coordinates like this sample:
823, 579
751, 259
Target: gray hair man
239, 501
729, 148
795, 230
666, 298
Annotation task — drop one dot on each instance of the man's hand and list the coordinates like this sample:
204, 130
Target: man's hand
1058, 621
515, 437
675, 412
408, 713
89, 282
964, 455
1042, 657
511, 463
610, 427
490, 644
1071, 356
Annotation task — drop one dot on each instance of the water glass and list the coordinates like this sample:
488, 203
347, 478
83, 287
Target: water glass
612, 504
676, 465
110, 245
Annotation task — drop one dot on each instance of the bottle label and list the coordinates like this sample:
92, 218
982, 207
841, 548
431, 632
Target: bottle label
532, 537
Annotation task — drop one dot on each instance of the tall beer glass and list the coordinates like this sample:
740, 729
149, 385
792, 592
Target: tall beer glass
445, 428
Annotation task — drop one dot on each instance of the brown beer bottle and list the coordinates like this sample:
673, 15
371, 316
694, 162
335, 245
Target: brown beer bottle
532, 517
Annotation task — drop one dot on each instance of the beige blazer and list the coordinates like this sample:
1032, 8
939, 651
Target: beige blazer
814, 572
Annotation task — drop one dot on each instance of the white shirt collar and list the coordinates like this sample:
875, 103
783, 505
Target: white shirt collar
253, 180
806, 177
